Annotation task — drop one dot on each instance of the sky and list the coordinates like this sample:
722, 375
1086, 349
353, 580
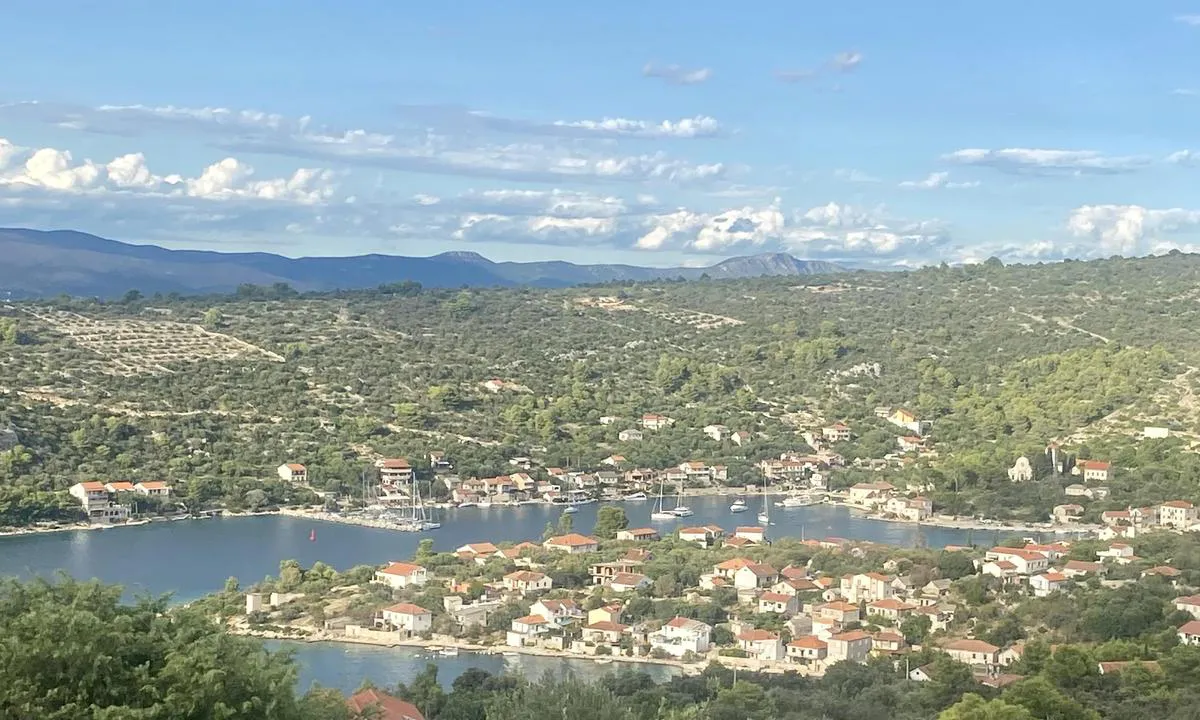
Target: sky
876, 134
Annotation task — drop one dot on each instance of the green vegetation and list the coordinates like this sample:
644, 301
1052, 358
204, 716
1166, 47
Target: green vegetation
215, 392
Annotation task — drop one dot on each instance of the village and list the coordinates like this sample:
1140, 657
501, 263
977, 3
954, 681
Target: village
756, 603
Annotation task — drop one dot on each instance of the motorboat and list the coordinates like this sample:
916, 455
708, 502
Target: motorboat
798, 500
682, 511
738, 506
633, 497
570, 510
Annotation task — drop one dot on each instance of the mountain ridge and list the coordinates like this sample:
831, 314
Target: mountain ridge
40, 263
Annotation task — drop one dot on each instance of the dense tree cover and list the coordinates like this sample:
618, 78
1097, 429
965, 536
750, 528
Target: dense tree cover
71, 650
1001, 359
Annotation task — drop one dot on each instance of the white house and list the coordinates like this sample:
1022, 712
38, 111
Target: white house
407, 617
293, 472
526, 629
865, 587
782, 603
563, 612
682, 635
1118, 552
754, 575
837, 432
1093, 470
1048, 582
628, 582
762, 644
608, 419
891, 608
716, 432
153, 488
1189, 633
527, 581
395, 471
910, 443
572, 543
1021, 471
871, 494
1026, 562
740, 438
912, 509
401, 575
1067, 513
1179, 514
907, 420
807, 650
852, 646
651, 421
1189, 604
630, 435
973, 652
94, 498
1155, 433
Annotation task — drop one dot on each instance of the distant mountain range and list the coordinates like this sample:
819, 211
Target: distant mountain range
35, 263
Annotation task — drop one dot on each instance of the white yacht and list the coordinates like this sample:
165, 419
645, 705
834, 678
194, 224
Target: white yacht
634, 497
661, 513
798, 500
738, 506
570, 510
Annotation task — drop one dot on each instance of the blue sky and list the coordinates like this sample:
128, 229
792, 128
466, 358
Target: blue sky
873, 133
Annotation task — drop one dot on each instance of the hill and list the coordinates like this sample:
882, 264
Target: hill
1000, 360
45, 263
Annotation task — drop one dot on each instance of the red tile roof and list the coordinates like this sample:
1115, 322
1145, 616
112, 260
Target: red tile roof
573, 540
407, 609
385, 706
607, 626
810, 642
401, 568
759, 635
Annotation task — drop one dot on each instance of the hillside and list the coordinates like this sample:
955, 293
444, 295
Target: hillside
1001, 360
43, 264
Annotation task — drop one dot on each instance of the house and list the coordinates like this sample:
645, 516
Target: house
754, 575
1113, 518
973, 652
716, 432
782, 603
650, 421
1189, 633
401, 575
807, 650
911, 509
1052, 551
407, 617
852, 646
480, 552
1189, 604
1150, 432
871, 494
837, 611
89, 493
1068, 513
572, 543
1077, 490
837, 432
936, 589
119, 487
1163, 571
1079, 568
703, 536
761, 644
940, 616
1114, 668
293, 472
754, 535
866, 587
890, 608
604, 631
379, 705
1179, 514
519, 550
910, 443
629, 582
1026, 562
153, 488
639, 534
1120, 553
438, 462
527, 581
526, 629
613, 461
907, 420
1002, 569
887, 642
608, 419
680, 635
602, 573
1093, 470
1045, 583
609, 613
630, 435
1021, 471
395, 471
562, 612
740, 438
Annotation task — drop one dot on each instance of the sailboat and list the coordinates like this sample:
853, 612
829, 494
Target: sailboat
312, 535
659, 512
764, 517
681, 510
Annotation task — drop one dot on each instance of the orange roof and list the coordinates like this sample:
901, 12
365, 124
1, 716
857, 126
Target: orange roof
809, 642
682, 622
153, 485
1018, 552
1181, 504
1055, 577
295, 467
737, 542
761, 569
1190, 628
839, 606
119, 486
626, 578
384, 706
642, 532
607, 626
401, 568
891, 604
734, 564
407, 609
525, 576
1164, 570
851, 636
1188, 600
93, 486
573, 540
484, 548
750, 530
395, 464
531, 620
760, 635
775, 597
973, 646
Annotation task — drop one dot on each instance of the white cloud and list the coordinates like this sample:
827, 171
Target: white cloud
54, 170
1193, 20
846, 61
1131, 229
676, 75
854, 176
696, 127
1183, 157
937, 180
1041, 161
